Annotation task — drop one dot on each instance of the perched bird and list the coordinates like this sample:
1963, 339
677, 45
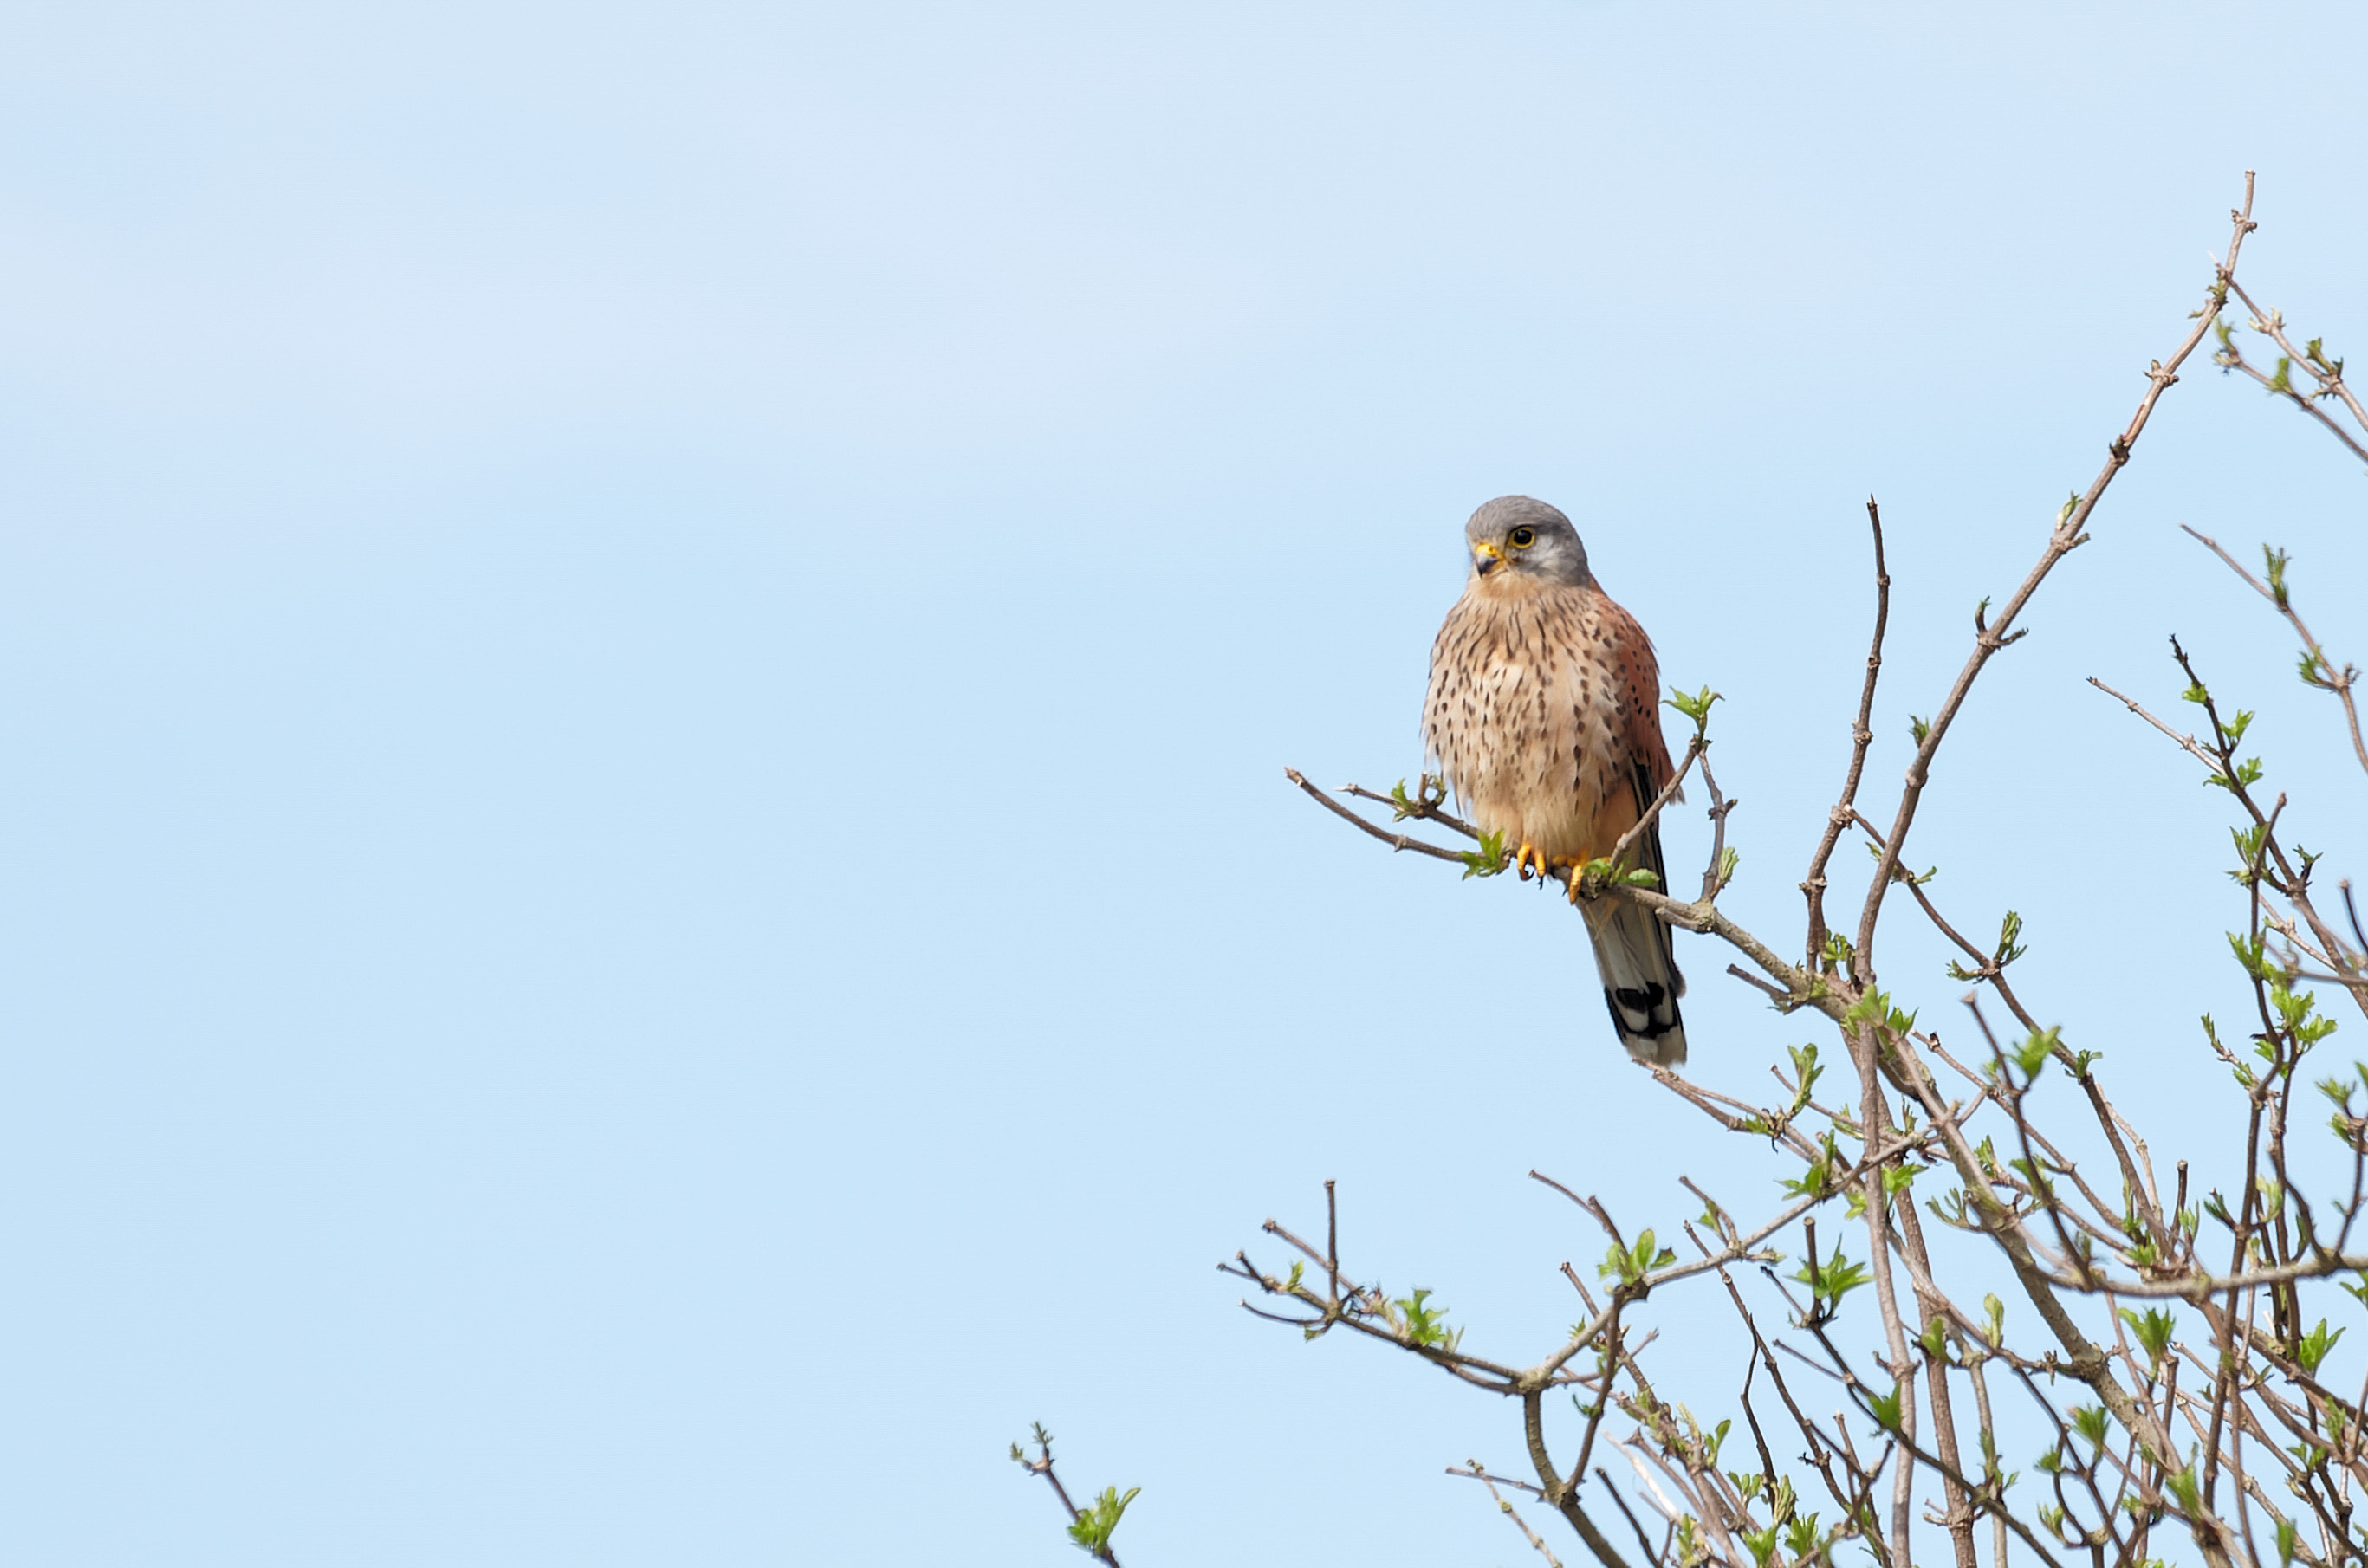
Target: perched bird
1544, 715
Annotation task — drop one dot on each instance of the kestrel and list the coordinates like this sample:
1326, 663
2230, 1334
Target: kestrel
1544, 714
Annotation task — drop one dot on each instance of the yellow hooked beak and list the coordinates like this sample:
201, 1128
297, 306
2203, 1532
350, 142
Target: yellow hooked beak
1487, 557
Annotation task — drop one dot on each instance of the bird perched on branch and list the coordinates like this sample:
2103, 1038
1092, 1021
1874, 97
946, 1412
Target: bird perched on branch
1544, 714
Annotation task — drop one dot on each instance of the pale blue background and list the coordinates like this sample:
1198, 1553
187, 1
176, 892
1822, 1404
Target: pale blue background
646, 654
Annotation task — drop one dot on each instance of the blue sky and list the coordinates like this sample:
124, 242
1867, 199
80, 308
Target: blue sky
649, 654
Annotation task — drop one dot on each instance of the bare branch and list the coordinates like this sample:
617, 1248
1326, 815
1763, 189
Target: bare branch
1813, 886
1536, 1541
1395, 840
2066, 536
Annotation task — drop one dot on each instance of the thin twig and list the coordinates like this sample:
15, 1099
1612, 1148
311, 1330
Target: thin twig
1043, 1466
2066, 536
1480, 1474
1813, 886
1395, 840
2337, 681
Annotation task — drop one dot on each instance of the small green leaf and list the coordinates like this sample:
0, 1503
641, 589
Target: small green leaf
1806, 1073
1829, 1283
2313, 1347
2008, 948
1092, 1528
1693, 705
1717, 1440
2187, 1489
1488, 859
2153, 1329
2248, 773
2089, 1420
1817, 1179
2033, 1052
1425, 1324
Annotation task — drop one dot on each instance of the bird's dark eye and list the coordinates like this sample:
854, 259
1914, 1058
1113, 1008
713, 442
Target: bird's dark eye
1521, 539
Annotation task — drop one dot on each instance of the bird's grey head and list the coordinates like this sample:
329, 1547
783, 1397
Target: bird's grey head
1516, 539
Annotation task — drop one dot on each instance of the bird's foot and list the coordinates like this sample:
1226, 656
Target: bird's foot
1526, 855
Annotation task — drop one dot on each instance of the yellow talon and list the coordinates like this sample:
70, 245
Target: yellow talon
1521, 858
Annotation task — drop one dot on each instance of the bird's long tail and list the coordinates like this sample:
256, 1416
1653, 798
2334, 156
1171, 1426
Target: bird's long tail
1641, 982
